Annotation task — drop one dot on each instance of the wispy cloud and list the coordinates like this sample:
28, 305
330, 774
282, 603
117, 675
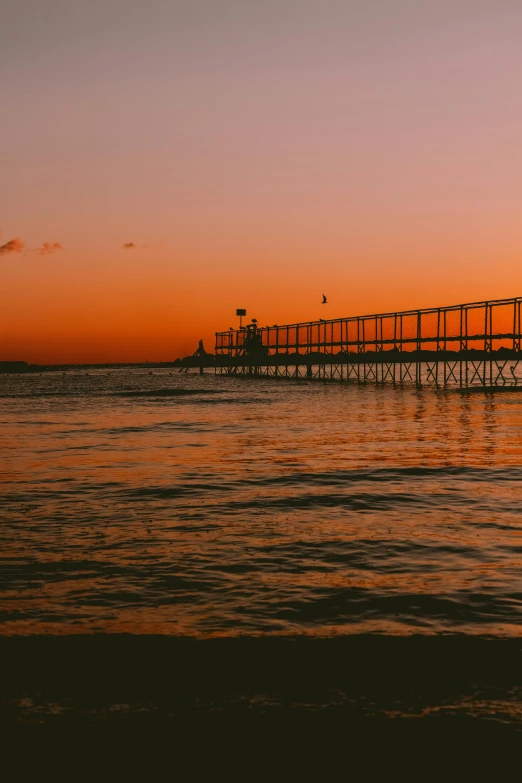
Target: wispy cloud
48, 247
129, 245
16, 245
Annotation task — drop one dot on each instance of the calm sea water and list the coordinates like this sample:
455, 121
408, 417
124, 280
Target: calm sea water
158, 503
178, 504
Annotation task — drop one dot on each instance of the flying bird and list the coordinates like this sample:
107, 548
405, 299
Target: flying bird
254, 320
325, 301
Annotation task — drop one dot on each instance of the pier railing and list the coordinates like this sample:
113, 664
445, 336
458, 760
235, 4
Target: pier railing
483, 338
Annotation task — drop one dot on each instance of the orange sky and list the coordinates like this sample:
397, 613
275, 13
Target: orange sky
257, 155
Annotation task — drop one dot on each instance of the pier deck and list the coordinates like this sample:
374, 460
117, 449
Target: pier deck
475, 344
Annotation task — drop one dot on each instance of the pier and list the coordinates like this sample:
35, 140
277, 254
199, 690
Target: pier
467, 345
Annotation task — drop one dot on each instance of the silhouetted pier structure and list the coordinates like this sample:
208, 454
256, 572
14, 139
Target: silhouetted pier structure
468, 345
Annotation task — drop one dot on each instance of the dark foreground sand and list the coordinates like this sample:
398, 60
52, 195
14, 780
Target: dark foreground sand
247, 704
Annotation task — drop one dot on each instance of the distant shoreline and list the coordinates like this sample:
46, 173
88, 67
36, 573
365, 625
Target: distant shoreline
20, 368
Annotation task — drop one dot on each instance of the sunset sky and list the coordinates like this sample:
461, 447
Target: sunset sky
250, 154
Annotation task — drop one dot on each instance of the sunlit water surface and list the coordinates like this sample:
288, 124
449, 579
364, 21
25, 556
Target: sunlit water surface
158, 502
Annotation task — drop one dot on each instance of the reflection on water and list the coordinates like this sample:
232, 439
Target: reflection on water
209, 506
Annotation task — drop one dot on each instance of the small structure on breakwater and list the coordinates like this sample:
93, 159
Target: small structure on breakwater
200, 358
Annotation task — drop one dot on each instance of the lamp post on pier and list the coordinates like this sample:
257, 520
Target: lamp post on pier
240, 312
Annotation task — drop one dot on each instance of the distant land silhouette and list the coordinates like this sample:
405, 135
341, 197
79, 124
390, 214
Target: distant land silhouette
258, 353
18, 367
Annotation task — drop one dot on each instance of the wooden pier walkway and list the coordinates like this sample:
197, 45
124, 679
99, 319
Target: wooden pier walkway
467, 345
